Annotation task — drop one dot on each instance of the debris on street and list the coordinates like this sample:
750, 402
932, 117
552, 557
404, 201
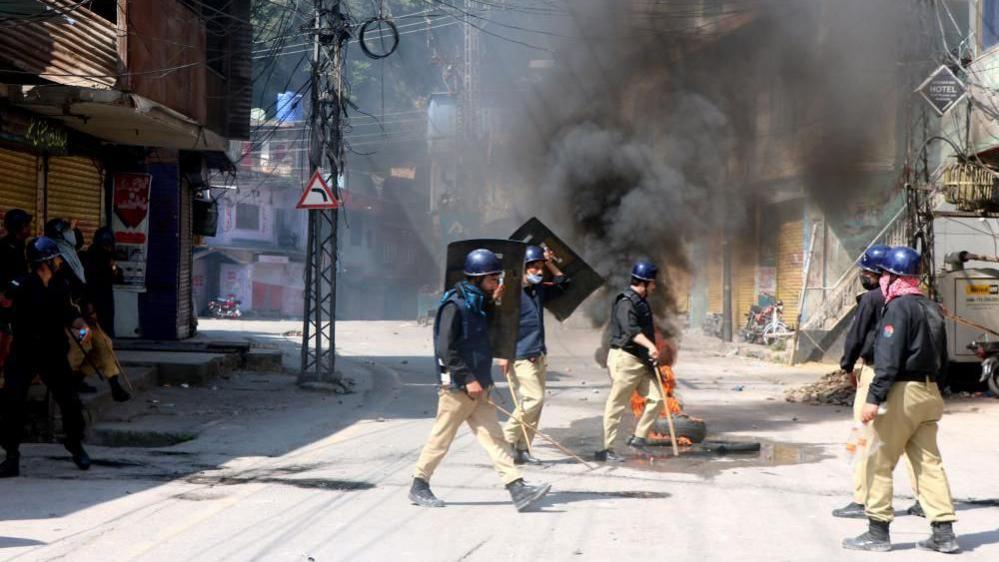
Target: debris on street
836, 388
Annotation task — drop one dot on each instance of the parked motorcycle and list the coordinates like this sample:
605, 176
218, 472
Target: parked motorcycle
765, 324
988, 352
227, 307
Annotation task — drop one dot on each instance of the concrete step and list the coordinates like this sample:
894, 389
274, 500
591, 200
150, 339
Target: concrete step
262, 360
177, 368
97, 404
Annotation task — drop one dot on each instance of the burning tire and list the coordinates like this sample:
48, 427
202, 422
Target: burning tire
686, 426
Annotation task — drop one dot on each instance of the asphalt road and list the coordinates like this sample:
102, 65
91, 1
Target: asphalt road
283, 474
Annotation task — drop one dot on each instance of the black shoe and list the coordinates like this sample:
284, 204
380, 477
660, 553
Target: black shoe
524, 457
525, 495
638, 443
852, 510
608, 455
942, 539
80, 457
11, 466
83, 388
876, 538
118, 393
916, 509
420, 494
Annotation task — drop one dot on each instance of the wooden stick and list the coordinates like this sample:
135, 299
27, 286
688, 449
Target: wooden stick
545, 436
669, 415
516, 405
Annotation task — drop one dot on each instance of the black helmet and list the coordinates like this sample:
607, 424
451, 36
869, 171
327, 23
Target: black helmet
104, 236
42, 249
56, 228
15, 219
482, 262
534, 253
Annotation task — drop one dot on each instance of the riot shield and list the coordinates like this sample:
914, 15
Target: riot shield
506, 318
584, 278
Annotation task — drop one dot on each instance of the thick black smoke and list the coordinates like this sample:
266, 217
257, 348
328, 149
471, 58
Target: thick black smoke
659, 124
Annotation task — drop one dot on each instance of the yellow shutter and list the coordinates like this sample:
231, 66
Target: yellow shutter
743, 280
18, 181
790, 262
75, 186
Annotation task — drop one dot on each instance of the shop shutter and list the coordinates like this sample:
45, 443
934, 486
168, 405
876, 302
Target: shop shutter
75, 186
790, 262
184, 262
743, 280
18, 181
715, 271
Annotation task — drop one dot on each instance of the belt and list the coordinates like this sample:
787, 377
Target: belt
534, 359
915, 377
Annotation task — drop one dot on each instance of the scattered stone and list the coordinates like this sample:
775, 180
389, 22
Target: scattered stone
380, 420
834, 388
738, 388
185, 385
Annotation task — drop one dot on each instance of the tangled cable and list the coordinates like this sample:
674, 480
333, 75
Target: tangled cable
379, 21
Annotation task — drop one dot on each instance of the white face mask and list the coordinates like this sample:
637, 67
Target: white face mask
70, 237
534, 279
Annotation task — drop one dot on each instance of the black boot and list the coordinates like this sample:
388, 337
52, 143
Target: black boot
80, 457
916, 509
876, 538
525, 495
118, 393
11, 466
524, 457
608, 455
942, 539
852, 510
83, 388
420, 494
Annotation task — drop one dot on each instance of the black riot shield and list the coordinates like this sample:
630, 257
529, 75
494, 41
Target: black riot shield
504, 322
584, 278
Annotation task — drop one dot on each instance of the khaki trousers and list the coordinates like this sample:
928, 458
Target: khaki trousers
99, 353
629, 374
909, 426
527, 380
454, 407
860, 464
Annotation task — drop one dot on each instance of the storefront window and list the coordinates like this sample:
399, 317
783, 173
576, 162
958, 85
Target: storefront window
247, 217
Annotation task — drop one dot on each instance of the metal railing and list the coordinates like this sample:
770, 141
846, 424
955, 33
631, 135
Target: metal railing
841, 298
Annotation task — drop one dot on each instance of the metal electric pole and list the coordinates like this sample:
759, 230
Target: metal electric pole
331, 30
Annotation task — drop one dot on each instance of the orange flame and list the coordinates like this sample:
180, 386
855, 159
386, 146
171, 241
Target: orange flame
667, 353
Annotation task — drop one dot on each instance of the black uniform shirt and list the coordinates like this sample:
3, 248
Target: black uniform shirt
630, 318
863, 330
41, 316
911, 345
13, 261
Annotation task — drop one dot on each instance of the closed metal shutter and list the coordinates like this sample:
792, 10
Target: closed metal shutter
790, 261
715, 276
743, 280
184, 261
74, 191
18, 182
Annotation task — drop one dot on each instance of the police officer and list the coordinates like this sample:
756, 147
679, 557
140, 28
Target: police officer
630, 361
13, 264
904, 405
528, 370
860, 345
464, 358
42, 313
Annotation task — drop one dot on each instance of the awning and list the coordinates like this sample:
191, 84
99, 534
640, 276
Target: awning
117, 117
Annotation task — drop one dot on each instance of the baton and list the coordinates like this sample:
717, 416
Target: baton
545, 436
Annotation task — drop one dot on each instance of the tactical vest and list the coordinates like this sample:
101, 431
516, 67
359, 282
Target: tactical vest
473, 346
644, 314
531, 328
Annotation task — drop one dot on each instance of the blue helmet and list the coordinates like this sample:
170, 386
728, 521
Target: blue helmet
872, 258
42, 249
534, 253
902, 260
482, 262
645, 270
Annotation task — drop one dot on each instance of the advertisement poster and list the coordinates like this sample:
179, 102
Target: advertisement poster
130, 222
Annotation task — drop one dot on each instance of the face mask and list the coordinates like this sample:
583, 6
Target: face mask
534, 279
70, 237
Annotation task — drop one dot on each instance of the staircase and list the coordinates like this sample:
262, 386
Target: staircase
834, 312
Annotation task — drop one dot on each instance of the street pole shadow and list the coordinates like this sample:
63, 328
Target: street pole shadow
971, 541
15, 542
558, 498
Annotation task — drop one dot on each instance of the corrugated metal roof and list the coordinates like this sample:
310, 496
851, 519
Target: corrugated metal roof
77, 49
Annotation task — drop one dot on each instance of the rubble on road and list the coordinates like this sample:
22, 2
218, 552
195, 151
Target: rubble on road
833, 388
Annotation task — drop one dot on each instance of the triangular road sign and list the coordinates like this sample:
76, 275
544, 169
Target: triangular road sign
318, 195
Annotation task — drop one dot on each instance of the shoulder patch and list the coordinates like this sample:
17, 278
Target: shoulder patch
888, 331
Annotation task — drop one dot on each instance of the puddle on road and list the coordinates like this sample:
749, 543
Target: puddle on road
708, 459
307, 483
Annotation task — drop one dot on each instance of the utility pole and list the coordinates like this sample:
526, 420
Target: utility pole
331, 30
